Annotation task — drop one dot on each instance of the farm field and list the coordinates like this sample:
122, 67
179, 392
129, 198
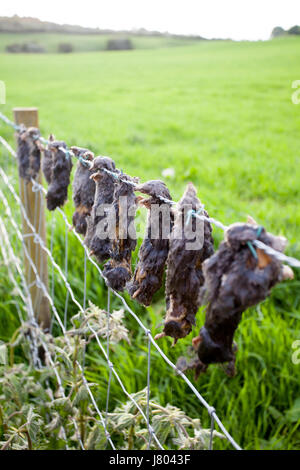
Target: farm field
220, 114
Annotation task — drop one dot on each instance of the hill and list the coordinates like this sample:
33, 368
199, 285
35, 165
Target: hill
17, 24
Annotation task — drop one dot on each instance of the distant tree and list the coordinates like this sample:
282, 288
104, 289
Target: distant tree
14, 48
33, 47
294, 30
65, 47
277, 31
30, 47
119, 44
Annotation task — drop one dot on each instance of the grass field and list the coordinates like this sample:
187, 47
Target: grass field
221, 115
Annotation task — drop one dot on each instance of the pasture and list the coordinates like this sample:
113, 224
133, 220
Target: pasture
220, 114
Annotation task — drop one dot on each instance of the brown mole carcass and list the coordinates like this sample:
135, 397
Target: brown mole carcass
83, 189
97, 236
236, 277
191, 243
29, 153
123, 242
47, 161
57, 167
148, 275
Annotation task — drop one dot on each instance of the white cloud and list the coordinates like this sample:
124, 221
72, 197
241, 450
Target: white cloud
236, 19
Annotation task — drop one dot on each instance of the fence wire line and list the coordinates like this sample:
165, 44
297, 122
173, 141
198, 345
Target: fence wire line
68, 152
9, 122
27, 300
31, 320
41, 285
167, 360
201, 399
107, 353
66, 272
39, 240
38, 187
210, 409
52, 288
35, 330
217, 223
148, 389
9, 257
280, 256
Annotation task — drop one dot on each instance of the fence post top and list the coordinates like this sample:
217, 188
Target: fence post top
25, 109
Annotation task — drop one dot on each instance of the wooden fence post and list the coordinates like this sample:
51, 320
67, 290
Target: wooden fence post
35, 208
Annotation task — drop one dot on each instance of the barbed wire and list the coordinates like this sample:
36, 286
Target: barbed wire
214, 418
117, 175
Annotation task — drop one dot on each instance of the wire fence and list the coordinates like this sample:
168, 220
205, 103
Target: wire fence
38, 335
112, 369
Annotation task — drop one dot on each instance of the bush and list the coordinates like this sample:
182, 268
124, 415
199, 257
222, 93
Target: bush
277, 31
65, 47
13, 48
119, 45
294, 30
30, 47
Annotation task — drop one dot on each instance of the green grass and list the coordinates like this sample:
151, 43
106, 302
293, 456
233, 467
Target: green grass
221, 115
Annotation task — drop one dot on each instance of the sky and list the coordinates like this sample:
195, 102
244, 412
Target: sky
235, 19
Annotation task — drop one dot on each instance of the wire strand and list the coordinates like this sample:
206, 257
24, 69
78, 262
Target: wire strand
38, 187
67, 151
